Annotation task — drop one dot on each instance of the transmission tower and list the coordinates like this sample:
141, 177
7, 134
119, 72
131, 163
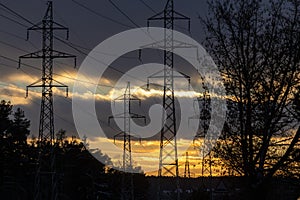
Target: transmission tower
200, 143
187, 173
205, 120
127, 115
46, 183
168, 158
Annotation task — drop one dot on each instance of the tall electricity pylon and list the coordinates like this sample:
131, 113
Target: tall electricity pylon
187, 172
127, 115
205, 119
46, 177
168, 158
200, 143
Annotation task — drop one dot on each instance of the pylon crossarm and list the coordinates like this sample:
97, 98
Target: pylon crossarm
178, 45
60, 83
154, 75
121, 115
134, 98
28, 56
33, 85
61, 27
121, 134
183, 76
137, 116
39, 54
118, 116
59, 54
119, 98
131, 98
180, 16
134, 115
154, 45
33, 28
58, 26
158, 16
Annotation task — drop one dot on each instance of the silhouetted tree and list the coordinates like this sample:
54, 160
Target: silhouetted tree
5, 112
79, 173
19, 129
256, 46
61, 136
16, 168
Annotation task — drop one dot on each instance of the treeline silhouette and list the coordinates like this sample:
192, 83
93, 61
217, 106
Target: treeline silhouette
81, 176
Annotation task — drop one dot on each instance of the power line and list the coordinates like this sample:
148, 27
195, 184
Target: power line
17, 36
71, 45
12, 46
122, 56
65, 99
13, 60
101, 15
12, 20
17, 14
123, 13
154, 11
127, 182
36, 68
57, 115
145, 4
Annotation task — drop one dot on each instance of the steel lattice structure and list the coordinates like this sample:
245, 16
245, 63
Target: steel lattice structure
205, 119
46, 183
199, 143
168, 158
187, 172
127, 115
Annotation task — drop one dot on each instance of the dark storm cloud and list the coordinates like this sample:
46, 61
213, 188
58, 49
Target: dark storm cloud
87, 30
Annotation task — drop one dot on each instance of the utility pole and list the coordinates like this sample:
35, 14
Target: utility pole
127, 176
187, 173
168, 158
46, 181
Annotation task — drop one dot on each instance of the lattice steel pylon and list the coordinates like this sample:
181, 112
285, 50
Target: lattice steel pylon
187, 172
168, 158
199, 143
46, 178
127, 179
205, 119
202, 145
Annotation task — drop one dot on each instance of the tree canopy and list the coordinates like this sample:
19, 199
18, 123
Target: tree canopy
256, 46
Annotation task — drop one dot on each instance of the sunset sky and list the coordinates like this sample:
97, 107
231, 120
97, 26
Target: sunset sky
90, 23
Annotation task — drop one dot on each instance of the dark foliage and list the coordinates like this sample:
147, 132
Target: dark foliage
79, 174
